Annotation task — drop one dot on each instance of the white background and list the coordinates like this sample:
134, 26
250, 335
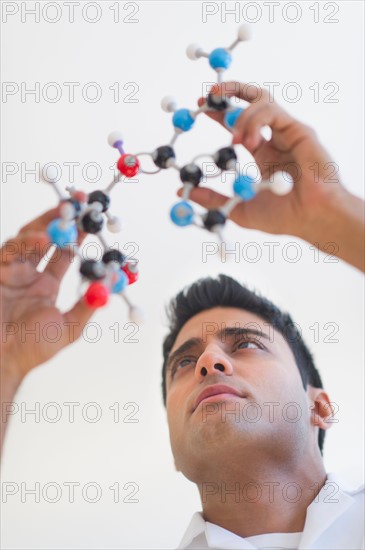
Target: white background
150, 52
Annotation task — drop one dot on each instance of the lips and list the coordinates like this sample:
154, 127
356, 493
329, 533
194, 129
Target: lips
216, 389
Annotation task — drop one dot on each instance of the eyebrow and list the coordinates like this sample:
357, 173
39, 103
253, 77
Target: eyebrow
239, 332
186, 346
222, 335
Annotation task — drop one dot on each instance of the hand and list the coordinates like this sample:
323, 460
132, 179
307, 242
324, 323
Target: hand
293, 148
28, 301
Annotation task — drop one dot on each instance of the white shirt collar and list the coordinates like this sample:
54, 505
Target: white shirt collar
319, 517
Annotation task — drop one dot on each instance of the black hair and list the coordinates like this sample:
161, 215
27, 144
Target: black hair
224, 291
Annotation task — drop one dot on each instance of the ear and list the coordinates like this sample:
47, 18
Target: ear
322, 409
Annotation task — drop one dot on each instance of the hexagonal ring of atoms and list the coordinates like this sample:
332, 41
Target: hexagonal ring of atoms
245, 187
87, 212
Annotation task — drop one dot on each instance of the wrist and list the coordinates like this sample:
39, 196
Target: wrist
325, 210
338, 218
10, 382
11, 378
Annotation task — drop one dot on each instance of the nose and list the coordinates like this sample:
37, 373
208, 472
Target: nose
212, 361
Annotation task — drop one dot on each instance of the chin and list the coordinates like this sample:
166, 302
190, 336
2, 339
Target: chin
214, 434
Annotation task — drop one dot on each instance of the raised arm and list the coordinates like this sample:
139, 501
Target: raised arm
318, 209
28, 301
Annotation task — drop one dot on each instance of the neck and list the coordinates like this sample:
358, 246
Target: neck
256, 499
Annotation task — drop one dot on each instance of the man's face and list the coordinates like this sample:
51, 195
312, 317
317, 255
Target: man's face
269, 415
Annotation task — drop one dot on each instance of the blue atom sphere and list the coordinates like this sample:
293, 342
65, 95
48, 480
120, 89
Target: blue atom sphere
121, 283
220, 59
62, 236
243, 187
182, 214
230, 118
183, 120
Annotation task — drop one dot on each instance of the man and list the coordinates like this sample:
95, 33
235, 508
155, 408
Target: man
210, 374
247, 417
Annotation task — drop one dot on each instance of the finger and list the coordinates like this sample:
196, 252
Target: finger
59, 262
249, 125
247, 92
41, 223
261, 101
62, 258
17, 275
206, 197
212, 200
78, 316
241, 134
26, 247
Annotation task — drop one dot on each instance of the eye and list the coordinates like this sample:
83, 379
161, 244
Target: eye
182, 363
247, 344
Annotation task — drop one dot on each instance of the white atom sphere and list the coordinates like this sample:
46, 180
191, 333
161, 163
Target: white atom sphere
136, 315
244, 32
49, 173
67, 211
193, 51
133, 265
114, 224
282, 183
113, 137
168, 104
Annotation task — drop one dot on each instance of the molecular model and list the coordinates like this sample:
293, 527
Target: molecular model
115, 271
87, 212
244, 186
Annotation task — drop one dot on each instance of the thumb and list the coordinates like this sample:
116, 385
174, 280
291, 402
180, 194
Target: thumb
206, 197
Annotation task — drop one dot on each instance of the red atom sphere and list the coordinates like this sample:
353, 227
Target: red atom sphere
128, 165
132, 276
79, 196
96, 295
